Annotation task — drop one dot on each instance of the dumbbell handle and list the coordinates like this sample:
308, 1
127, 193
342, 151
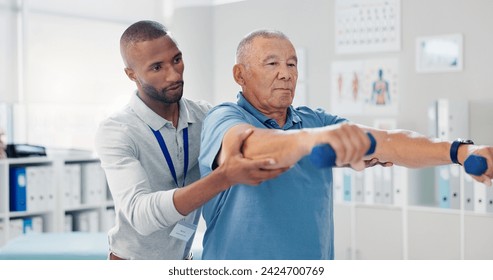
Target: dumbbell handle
475, 165
323, 155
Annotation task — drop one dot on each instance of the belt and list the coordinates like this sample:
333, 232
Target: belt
114, 257
189, 257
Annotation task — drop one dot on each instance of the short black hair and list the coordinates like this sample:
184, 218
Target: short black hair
144, 30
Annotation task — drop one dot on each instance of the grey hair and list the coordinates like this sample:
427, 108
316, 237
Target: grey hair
245, 44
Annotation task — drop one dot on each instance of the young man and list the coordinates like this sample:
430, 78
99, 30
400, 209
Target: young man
290, 217
149, 152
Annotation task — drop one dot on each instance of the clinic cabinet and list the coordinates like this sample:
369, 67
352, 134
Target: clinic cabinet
385, 232
44, 194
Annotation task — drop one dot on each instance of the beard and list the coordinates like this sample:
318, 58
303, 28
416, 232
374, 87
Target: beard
164, 95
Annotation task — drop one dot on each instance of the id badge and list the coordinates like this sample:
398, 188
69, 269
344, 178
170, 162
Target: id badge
183, 230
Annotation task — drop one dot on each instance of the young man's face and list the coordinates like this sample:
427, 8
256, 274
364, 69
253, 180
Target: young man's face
157, 68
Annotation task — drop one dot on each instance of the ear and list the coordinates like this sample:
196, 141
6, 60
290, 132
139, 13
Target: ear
238, 72
130, 74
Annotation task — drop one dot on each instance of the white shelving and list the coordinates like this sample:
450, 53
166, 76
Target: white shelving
94, 213
417, 227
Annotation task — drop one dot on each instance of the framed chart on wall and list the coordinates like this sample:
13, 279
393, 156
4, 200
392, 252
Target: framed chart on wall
367, 26
439, 53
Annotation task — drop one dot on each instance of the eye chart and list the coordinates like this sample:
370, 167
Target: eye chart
367, 26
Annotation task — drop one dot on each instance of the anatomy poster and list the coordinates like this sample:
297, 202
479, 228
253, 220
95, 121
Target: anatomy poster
365, 87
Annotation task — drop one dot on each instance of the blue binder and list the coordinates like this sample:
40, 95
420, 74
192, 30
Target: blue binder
17, 189
28, 225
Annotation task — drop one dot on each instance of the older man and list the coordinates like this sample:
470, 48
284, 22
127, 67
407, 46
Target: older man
290, 216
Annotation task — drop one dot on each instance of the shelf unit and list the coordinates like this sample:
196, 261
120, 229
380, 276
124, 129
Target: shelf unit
418, 227
55, 212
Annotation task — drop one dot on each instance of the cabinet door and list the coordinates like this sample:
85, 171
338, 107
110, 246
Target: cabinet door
478, 236
433, 235
342, 232
378, 233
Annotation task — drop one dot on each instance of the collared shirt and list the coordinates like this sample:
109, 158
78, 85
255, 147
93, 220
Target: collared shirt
140, 180
288, 217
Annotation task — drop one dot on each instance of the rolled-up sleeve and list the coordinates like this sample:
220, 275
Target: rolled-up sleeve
218, 121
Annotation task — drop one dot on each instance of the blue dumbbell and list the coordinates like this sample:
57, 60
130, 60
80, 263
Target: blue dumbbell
475, 165
323, 155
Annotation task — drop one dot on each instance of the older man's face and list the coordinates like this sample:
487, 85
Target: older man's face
271, 74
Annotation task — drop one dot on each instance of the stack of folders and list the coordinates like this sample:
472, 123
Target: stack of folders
94, 185
68, 225
477, 196
28, 225
71, 185
32, 188
86, 221
374, 185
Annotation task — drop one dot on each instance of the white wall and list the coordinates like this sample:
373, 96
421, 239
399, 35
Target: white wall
192, 27
8, 51
71, 65
310, 24
70, 70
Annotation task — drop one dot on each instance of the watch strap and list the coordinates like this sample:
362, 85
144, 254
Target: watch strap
454, 149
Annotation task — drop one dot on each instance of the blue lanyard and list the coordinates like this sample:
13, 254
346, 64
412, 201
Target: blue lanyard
166, 154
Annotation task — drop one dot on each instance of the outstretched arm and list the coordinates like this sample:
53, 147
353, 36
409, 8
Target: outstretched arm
287, 147
411, 149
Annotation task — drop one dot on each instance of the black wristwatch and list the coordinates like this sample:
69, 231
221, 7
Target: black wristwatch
454, 148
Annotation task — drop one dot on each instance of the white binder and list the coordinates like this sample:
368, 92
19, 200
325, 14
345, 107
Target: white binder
16, 228
40, 188
369, 186
338, 184
479, 197
37, 224
469, 201
400, 181
87, 221
454, 171
68, 223
358, 186
71, 185
33, 189
387, 188
378, 185
93, 183
489, 199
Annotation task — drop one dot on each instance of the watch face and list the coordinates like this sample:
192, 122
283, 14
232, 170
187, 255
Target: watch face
466, 141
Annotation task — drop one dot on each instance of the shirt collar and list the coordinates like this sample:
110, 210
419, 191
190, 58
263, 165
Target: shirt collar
155, 121
292, 116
